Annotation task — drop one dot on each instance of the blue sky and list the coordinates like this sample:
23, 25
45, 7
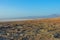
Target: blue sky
24, 8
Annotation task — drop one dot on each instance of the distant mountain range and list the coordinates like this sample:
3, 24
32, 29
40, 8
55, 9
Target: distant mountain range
51, 16
48, 16
35, 17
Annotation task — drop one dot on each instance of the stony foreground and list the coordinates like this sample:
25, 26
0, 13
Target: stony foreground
30, 30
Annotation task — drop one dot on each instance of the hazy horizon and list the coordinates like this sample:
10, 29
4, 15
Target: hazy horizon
25, 8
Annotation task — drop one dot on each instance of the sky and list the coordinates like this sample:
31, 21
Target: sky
25, 8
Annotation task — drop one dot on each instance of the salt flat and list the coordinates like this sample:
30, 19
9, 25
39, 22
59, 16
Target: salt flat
8, 20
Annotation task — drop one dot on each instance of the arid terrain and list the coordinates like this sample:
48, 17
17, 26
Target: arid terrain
40, 29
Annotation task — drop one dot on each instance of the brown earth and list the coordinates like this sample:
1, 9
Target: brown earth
40, 29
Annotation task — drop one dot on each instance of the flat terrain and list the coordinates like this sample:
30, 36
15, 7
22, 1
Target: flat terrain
39, 29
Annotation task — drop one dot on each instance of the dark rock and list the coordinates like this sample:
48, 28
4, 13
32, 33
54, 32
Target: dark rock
2, 32
17, 25
5, 28
2, 38
18, 29
23, 31
57, 35
25, 38
11, 39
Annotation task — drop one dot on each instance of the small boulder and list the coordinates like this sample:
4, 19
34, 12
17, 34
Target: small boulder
57, 35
